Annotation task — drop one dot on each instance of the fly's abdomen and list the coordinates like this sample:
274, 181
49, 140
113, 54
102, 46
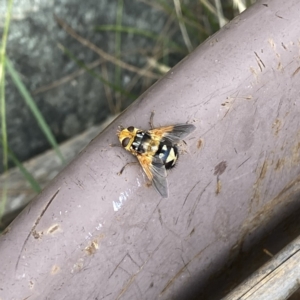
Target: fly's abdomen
144, 144
141, 142
168, 153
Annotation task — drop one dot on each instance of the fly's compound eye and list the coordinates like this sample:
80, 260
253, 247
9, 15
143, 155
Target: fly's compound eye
125, 142
130, 128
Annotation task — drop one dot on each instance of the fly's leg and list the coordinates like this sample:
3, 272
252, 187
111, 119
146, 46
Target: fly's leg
131, 163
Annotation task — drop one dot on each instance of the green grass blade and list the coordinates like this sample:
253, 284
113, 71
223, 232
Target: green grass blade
3, 199
118, 42
182, 26
34, 185
34, 109
141, 32
3, 114
170, 11
2, 103
94, 74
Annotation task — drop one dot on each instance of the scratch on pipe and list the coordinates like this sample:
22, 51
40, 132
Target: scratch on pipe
159, 217
259, 61
171, 281
296, 71
151, 215
132, 278
186, 200
283, 46
34, 226
244, 162
117, 266
127, 286
190, 193
191, 215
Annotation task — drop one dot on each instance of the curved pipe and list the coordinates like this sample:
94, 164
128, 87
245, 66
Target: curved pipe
94, 234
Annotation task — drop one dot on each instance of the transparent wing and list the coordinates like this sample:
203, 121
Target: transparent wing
156, 172
174, 133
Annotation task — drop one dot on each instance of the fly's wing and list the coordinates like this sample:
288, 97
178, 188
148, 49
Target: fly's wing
156, 173
174, 133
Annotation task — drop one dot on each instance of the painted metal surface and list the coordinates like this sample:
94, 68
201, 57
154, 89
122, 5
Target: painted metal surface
92, 234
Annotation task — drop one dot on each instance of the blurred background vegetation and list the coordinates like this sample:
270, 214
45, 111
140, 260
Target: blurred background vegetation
66, 67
